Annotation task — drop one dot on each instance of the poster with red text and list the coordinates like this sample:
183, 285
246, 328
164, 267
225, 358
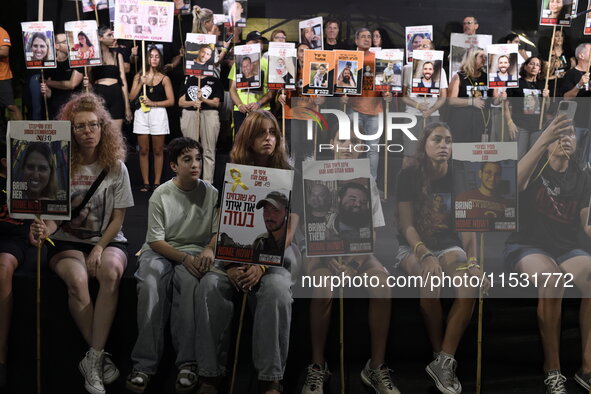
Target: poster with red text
282, 66
349, 72
144, 20
39, 44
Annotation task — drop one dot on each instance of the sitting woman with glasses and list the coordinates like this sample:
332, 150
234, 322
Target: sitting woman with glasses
92, 243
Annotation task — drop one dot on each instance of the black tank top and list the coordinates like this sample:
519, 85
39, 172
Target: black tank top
156, 92
108, 70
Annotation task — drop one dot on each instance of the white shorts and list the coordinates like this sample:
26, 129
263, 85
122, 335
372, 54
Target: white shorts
153, 122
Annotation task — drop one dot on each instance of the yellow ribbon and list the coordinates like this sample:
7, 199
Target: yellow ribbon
236, 176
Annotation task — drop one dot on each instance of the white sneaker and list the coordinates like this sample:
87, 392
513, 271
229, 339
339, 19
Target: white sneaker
110, 371
91, 367
379, 379
315, 379
443, 371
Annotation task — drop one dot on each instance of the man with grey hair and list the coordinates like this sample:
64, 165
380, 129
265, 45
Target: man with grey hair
470, 25
574, 84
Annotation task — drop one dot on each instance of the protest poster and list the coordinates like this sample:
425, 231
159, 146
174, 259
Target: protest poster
111, 11
459, 45
311, 33
282, 66
318, 73
84, 48
587, 29
38, 177
144, 20
91, 5
182, 7
503, 67
485, 186
200, 54
338, 209
39, 44
414, 36
349, 72
248, 66
254, 213
220, 19
557, 13
235, 12
389, 66
426, 73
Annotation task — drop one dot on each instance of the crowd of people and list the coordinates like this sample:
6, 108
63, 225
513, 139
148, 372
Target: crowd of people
177, 275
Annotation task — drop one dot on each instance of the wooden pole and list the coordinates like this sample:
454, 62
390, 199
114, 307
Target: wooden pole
237, 348
44, 96
77, 9
503, 122
386, 155
283, 119
314, 128
342, 334
181, 34
480, 313
547, 76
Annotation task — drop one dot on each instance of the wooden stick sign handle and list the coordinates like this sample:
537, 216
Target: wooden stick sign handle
547, 77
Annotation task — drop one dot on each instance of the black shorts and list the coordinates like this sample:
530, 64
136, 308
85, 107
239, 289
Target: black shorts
6, 94
17, 247
62, 246
113, 96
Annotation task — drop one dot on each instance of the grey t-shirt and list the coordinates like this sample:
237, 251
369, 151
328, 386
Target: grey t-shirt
184, 219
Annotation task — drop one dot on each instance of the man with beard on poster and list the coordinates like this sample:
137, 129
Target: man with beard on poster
352, 216
502, 69
426, 80
275, 212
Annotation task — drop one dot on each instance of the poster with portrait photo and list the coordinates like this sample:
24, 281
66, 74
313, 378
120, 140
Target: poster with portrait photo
587, 29
485, 186
349, 72
282, 66
459, 45
557, 12
254, 215
39, 44
91, 5
182, 7
503, 67
414, 36
338, 218
84, 48
248, 66
532, 101
312, 33
236, 12
38, 176
318, 73
389, 66
144, 20
426, 72
200, 54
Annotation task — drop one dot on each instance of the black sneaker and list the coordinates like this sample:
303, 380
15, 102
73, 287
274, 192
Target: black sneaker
555, 383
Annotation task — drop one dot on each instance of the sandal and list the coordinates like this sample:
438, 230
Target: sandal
186, 380
155, 186
145, 188
265, 386
137, 381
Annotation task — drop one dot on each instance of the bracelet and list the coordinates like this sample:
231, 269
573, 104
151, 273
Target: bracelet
472, 259
509, 123
417, 106
224, 49
263, 268
473, 266
423, 257
579, 86
417, 246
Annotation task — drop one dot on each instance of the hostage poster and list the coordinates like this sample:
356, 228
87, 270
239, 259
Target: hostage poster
248, 66
459, 46
318, 73
254, 215
557, 13
503, 70
83, 44
349, 72
485, 186
338, 207
426, 72
414, 36
39, 44
389, 66
282, 65
144, 20
199, 54
38, 177
311, 33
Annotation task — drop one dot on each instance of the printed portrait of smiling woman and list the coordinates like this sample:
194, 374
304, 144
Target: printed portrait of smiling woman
38, 172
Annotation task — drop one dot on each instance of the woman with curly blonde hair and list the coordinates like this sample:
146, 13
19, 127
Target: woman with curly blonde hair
92, 244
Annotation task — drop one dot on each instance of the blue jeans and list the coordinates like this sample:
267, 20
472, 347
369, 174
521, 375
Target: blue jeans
369, 125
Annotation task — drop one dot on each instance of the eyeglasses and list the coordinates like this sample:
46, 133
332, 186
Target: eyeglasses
81, 127
469, 23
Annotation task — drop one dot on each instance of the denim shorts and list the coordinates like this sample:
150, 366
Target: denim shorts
514, 252
404, 251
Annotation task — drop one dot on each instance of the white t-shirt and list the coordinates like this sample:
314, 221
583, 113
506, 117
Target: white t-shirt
407, 78
113, 192
184, 219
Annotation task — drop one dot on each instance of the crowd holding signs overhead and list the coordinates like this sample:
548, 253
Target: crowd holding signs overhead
287, 209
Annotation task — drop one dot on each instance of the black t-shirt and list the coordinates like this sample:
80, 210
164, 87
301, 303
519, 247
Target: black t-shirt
526, 103
550, 207
569, 81
443, 235
338, 45
469, 123
10, 228
63, 72
211, 88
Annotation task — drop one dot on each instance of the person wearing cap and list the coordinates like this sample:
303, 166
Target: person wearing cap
248, 100
275, 212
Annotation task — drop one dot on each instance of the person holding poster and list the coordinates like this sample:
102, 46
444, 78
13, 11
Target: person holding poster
92, 243
522, 110
425, 108
179, 249
470, 116
369, 105
109, 80
554, 192
14, 248
376, 373
153, 122
430, 246
259, 143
